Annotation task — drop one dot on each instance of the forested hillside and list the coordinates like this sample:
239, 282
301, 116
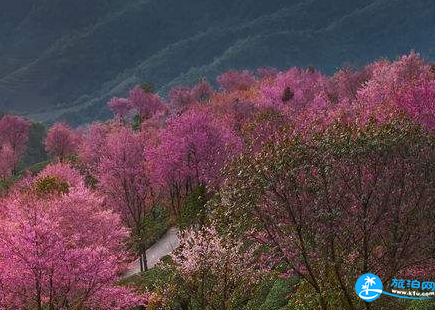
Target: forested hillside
287, 188
64, 59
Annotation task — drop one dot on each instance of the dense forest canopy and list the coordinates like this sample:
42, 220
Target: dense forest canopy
63, 60
286, 185
217, 154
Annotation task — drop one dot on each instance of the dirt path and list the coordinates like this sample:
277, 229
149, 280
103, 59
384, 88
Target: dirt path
162, 247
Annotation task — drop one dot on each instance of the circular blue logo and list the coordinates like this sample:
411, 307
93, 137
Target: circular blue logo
368, 287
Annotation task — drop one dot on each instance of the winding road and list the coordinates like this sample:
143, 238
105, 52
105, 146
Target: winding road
162, 247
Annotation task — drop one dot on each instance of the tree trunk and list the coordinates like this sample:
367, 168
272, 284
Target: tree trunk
143, 262
323, 305
38, 295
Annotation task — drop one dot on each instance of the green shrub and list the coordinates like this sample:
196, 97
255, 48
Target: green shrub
194, 210
50, 185
35, 152
149, 280
278, 296
421, 305
6, 184
37, 168
261, 293
136, 122
153, 227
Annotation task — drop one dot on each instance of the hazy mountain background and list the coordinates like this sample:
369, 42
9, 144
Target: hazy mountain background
63, 59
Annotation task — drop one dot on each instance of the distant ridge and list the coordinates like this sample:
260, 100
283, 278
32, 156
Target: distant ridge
63, 59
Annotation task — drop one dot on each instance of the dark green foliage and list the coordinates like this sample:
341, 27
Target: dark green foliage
288, 95
35, 152
148, 280
261, 293
278, 296
194, 210
272, 294
91, 181
36, 168
284, 169
153, 227
136, 122
6, 184
148, 87
420, 305
50, 185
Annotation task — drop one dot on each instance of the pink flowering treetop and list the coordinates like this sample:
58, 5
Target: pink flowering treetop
375, 93
124, 182
61, 141
14, 131
120, 106
59, 249
233, 108
267, 73
122, 175
293, 91
146, 104
192, 151
419, 103
7, 161
202, 92
63, 173
236, 80
346, 83
378, 98
92, 146
181, 97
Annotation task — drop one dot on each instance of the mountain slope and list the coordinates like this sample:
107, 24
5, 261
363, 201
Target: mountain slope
72, 72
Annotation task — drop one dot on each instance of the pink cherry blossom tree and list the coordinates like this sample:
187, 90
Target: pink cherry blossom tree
7, 161
14, 132
419, 103
60, 249
120, 106
192, 151
293, 91
202, 92
267, 73
61, 141
146, 104
93, 146
236, 80
124, 180
214, 270
180, 97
